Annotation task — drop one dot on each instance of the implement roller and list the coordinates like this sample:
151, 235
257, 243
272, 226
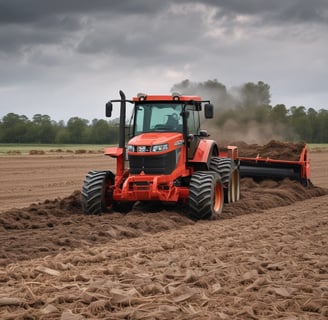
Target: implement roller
260, 168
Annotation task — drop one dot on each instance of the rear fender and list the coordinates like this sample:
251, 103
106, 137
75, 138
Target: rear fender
205, 151
229, 152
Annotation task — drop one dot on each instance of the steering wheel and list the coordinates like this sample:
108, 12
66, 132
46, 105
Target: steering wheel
174, 116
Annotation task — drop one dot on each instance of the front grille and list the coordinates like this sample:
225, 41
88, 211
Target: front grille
153, 164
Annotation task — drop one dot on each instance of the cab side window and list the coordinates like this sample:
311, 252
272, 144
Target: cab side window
193, 120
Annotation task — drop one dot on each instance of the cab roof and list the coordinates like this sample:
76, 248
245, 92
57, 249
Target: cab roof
175, 98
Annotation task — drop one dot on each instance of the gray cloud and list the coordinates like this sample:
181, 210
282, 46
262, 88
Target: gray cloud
79, 52
289, 11
14, 11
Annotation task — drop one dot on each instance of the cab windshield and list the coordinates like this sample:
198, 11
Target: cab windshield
158, 117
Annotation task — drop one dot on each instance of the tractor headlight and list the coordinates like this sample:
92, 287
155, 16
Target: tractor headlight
130, 148
160, 147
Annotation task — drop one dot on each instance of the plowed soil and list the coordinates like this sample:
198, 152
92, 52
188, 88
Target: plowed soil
266, 257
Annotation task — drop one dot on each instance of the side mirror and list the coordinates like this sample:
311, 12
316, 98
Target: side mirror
109, 109
209, 111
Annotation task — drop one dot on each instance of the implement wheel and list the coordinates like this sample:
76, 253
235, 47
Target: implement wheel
206, 196
230, 177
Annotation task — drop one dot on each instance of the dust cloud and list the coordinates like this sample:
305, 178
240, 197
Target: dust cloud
240, 113
251, 133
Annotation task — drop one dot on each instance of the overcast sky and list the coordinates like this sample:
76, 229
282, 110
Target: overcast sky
66, 58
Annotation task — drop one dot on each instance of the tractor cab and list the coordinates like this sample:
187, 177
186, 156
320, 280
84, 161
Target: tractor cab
165, 116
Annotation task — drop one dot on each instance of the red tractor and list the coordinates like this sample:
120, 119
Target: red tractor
168, 158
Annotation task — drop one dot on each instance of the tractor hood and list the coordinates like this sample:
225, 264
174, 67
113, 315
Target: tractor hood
148, 140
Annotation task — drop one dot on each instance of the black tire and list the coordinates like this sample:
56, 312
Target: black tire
97, 192
206, 196
230, 177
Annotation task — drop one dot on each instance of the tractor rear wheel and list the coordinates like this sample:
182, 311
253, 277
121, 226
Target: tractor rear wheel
97, 192
230, 177
206, 196
235, 185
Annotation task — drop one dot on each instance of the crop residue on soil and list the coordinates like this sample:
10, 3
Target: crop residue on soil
264, 258
250, 267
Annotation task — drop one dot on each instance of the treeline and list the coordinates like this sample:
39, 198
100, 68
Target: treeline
242, 113
16, 128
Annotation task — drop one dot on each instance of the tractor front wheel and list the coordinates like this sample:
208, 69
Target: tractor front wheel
97, 192
206, 195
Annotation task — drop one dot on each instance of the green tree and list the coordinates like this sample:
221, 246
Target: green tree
322, 124
255, 95
279, 113
300, 123
312, 116
14, 128
44, 130
62, 136
77, 130
252, 103
100, 131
